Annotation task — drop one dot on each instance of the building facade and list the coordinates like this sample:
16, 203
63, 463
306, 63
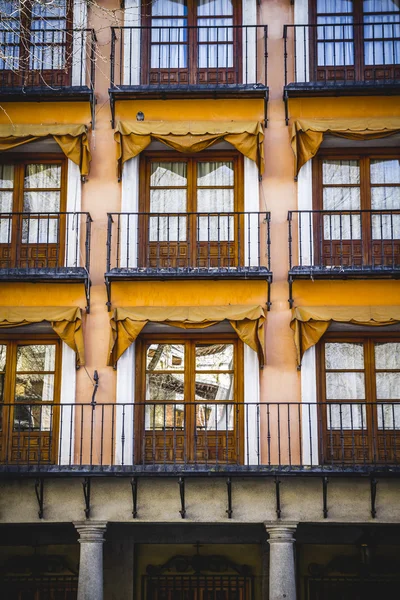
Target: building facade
199, 299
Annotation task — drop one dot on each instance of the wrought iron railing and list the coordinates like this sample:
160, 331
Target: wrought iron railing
231, 243
201, 436
46, 59
40, 243
344, 241
179, 57
343, 54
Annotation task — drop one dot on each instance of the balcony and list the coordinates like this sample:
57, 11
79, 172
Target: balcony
189, 62
202, 437
47, 65
234, 245
46, 247
352, 244
342, 59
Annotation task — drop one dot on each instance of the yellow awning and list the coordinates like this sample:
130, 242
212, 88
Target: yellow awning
309, 323
308, 135
127, 323
72, 140
66, 321
133, 137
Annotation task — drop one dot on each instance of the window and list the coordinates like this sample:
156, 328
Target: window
357, 40
29, 394
360, 197
32, 230
35, 48
191, 207
360, 385
192, 41
190, 390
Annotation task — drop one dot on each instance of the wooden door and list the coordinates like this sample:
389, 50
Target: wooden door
190, 411
38, 52
30, 415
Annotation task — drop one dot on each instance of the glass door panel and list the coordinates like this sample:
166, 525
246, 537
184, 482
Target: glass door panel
339, 231
387, 382
381, 40
6, 219
335, 43
385, 226
346, 424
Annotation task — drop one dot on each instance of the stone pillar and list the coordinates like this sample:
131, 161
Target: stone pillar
91, 538
282, 574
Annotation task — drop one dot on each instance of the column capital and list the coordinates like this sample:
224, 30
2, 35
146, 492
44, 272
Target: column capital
91, 531
282, 533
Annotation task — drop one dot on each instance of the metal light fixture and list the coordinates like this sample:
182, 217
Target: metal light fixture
140, 116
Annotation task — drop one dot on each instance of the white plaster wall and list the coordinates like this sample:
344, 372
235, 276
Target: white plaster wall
304, 202
249, 17
124, 431
74, 205
252, 416
79, 40
302, 63
131, 43
129, 203
67, 396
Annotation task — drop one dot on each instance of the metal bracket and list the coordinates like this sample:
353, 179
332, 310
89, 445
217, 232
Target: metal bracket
112, 107
286, 101
95, 388
39, 491
229, 489
86, 494
93, 102
134, 484
88, 285
325, 482
290, 281
269, 303
181, 482
108, 290
373, 497
278, 497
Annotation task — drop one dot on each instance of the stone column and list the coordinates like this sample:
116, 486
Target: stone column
282, 574
91, 538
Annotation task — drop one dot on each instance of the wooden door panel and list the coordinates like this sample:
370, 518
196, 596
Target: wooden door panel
164, 255
346, 253
346, 446
386, 253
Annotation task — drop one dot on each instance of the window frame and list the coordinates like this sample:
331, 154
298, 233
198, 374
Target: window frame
13, 340
19, 162
368, 339
364, 156
190, 338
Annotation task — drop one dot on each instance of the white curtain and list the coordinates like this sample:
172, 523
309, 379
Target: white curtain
44, 230
342, 173
166, 176
385, 197
387, 356
385, 27
9, 35
216, 174
6, 202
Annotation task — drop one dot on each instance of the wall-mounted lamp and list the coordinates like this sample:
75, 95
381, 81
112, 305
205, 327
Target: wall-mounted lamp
140, 116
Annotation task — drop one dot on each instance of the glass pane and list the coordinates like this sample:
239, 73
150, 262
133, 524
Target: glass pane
383, 198
385, 171
334, 6
34, 418
215, 30
40, 357
341, 172
42, 176
49, 8
385, 227
167, 229
2, 379
168, 201
388, 386
165, 357
3, 353
216, 417
214, 357
215, 229
345, 386
344, 356
40, 231
381, 6
6, 202
169, 8
387, 355
48, 202
6, 176
346, 416
217, 201
168, 174
168, 386
207, 8
34, 388
9, 35
215, 173
342, 227
165, 416
211, 386
341, 198
168, 56
212, 56
389, 417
